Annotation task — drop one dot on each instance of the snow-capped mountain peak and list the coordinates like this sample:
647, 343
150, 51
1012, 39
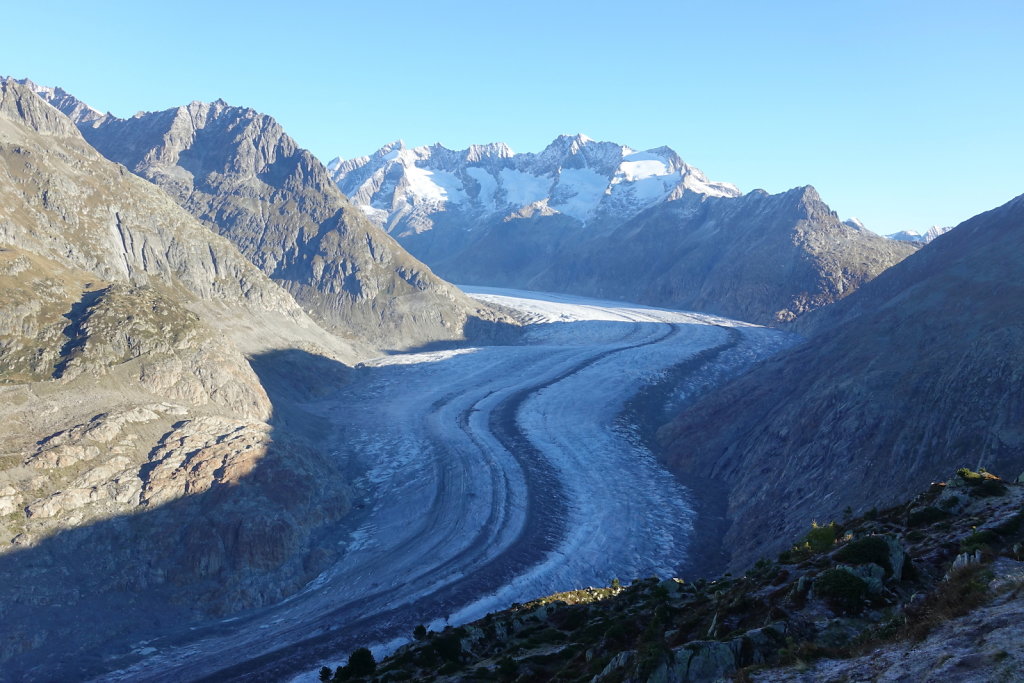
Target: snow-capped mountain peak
404, 189
915, 236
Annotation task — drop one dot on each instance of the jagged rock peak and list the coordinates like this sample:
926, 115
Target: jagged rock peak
73, 107
491, 150
19, 102
855, 223
589, 182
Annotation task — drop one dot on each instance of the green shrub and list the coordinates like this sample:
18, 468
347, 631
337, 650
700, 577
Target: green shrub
843, 591
968, 475
822, 538
926, 515
979, 540
982, 484
507, 669
819, 539
448, 647
361, 663
865, 550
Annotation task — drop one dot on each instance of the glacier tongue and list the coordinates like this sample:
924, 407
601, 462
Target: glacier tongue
488, 475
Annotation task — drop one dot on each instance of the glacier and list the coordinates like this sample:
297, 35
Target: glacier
483, 476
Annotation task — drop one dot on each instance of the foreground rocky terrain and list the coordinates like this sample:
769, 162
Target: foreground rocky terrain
919, 369
932, 589
601, 219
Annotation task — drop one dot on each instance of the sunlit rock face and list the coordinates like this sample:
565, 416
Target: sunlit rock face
237, 171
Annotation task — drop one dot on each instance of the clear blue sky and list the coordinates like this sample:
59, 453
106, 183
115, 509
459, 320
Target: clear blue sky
905, 114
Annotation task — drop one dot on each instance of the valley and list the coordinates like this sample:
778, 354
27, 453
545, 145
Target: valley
502, 473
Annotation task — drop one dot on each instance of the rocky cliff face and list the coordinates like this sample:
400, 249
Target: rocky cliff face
144, 468
917, 373
240, 173
601, 219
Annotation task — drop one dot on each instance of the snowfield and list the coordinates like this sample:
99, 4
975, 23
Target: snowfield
482, 476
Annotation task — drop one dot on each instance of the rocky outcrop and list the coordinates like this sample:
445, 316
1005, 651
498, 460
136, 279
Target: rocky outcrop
891, 583
243, 176
918, 370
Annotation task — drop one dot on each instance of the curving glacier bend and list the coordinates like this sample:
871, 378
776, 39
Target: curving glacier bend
483, 476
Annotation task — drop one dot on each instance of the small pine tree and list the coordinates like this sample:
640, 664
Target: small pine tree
420, 632
325, 673
361, 663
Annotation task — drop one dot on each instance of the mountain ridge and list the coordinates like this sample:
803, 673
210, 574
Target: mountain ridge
567, 218
239, 172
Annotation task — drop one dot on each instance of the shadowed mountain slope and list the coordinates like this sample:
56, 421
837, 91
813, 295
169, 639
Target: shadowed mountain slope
141, 457
919, 372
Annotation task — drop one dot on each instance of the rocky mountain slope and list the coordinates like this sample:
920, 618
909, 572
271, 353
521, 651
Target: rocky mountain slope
601, 219
933, 587
240, 173
764, 258
918, 370
145, 467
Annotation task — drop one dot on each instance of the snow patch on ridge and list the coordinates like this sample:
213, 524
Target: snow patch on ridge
574, 175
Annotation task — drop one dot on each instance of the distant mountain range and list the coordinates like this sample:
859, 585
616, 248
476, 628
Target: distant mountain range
922, 237
602, 219
406, 190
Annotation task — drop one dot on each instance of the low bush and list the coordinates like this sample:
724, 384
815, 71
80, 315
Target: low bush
865, 550
822, 538
979, 540
843, 591
926, 515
